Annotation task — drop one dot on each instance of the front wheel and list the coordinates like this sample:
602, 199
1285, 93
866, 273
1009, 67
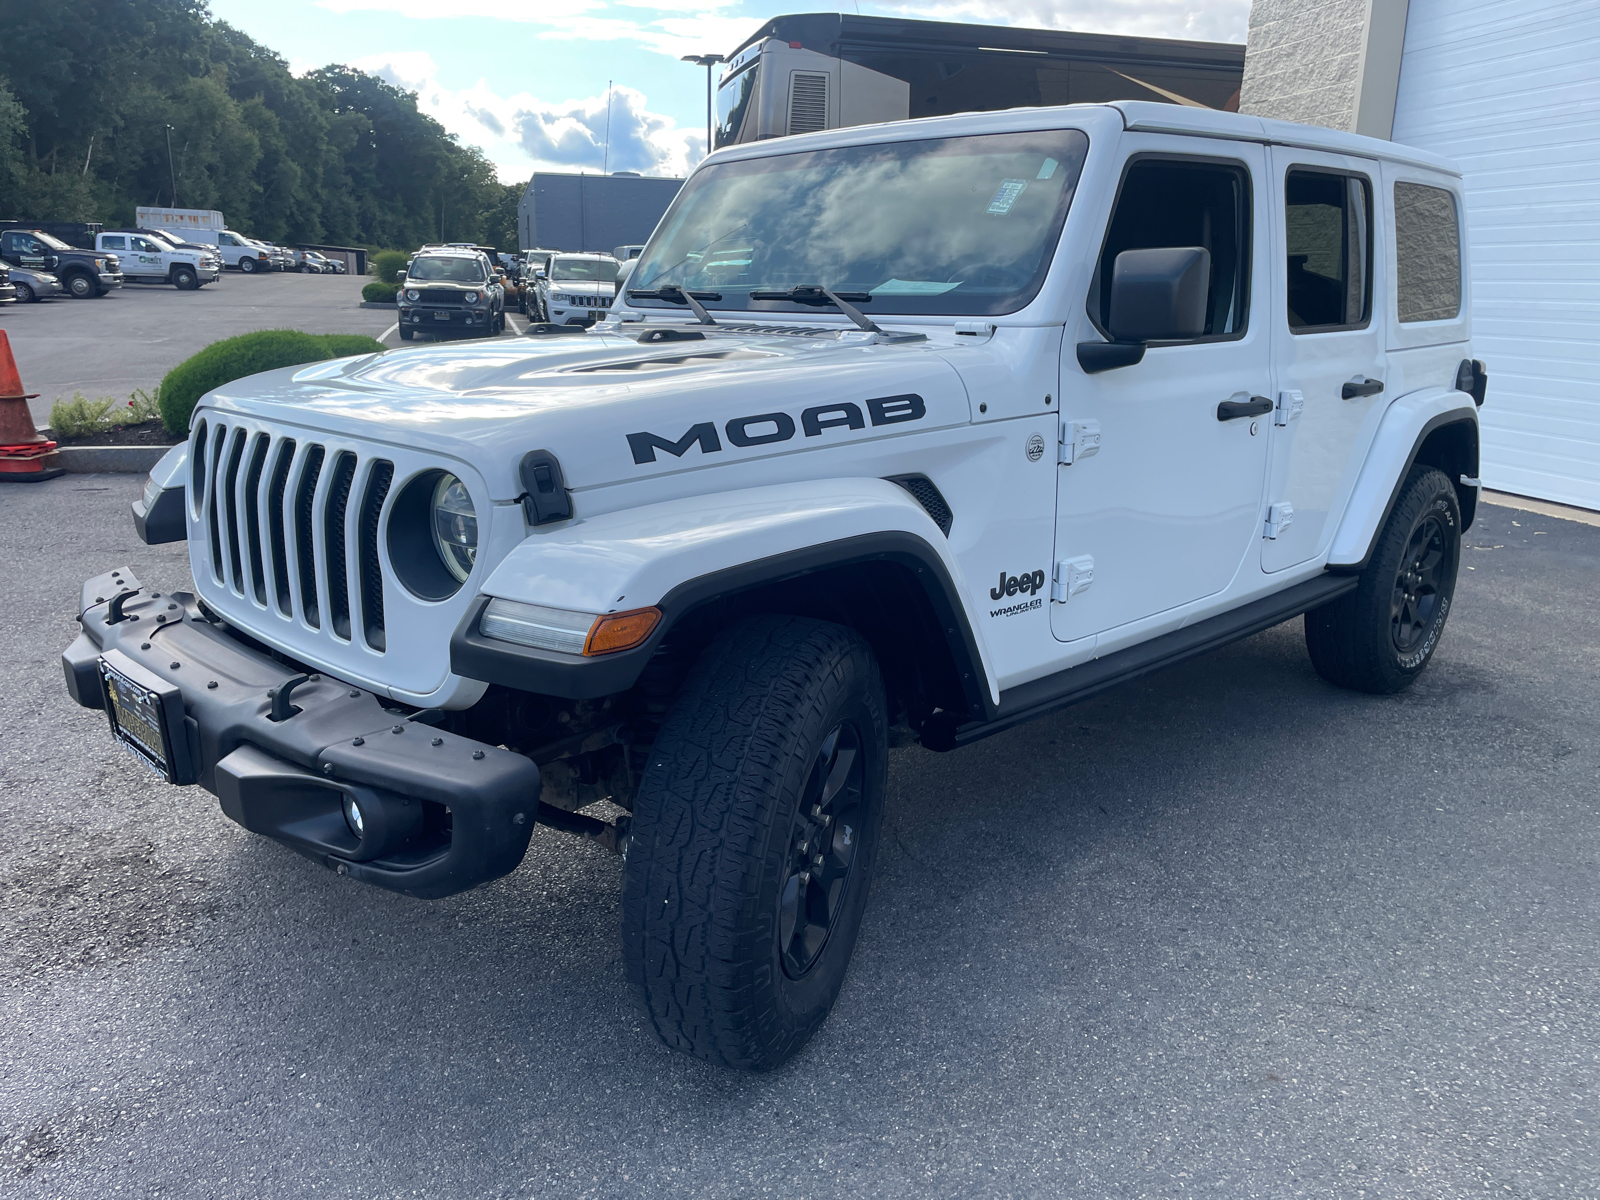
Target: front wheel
406, 334
185, 280
25, 294
80, 287
753, 838
1379, 637
247, 265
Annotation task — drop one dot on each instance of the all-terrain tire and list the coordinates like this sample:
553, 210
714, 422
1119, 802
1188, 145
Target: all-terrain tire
735, 938
1379, 637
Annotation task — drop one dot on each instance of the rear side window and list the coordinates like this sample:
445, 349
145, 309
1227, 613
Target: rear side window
1328, 228
1427, 242
1169, 202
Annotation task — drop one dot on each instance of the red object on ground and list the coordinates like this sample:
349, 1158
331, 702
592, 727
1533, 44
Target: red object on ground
25, 456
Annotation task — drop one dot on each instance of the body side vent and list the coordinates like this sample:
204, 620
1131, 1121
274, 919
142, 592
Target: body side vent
932, 500
808, 102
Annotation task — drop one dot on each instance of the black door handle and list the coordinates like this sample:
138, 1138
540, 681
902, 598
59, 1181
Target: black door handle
1367, 387
1232, 410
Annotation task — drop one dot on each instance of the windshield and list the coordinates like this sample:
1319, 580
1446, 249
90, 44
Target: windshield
53, 243
733, 98
953, 226
593, 270
450, 270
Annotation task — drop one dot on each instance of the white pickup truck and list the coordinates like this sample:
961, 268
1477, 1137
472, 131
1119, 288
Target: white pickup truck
149, 258
899, 433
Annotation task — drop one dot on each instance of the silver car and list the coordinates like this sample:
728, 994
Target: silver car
33, 285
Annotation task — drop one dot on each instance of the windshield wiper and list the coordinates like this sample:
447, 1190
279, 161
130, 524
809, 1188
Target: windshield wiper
816, 295
673, 294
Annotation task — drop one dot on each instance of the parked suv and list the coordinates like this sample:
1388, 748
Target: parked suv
577, 289
146, 258
447, 289
1096, 389
83, 273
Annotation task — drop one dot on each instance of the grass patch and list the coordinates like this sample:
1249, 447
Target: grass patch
82, 416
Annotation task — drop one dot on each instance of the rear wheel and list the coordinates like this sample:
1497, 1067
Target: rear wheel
753, 838
1379, 637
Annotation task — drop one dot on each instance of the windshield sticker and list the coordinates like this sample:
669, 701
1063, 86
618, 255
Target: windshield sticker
1006, 195
914, 287
1048, 169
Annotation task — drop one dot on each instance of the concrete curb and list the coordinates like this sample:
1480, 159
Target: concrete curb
378, 304
92, 460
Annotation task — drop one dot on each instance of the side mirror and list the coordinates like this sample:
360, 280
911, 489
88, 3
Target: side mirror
1157, 295
399, 274
539, 274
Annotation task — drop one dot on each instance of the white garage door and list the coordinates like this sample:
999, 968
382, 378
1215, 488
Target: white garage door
1510, 89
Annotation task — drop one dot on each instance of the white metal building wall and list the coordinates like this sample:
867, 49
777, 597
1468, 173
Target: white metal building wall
1510, 89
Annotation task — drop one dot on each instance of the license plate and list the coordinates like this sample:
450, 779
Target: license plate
441, 316
139, 707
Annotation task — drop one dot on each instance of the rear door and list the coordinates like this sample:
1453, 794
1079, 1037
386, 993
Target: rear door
1327, 347
1168, 507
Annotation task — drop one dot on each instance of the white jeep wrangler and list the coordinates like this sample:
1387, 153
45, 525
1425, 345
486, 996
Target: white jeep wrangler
906, 433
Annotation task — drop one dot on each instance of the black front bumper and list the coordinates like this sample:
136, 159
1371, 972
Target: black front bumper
420, 316
443, 812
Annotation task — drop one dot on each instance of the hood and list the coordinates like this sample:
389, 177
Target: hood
613, 409
583, 287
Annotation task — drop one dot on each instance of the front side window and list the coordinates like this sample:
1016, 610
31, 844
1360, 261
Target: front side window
1328, 228
1182, 202
948, 226
584, 270
1427, 245
733, 101
446, 270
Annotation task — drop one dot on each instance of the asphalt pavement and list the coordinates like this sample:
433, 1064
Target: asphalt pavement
1226, 931
131, 337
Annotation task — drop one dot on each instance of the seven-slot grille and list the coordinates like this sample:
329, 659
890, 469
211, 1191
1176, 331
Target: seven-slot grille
293, 526
588, 301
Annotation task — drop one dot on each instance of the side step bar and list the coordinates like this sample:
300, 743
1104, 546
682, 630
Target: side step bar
1041, 696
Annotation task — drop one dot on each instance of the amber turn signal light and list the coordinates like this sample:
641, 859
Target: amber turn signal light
621, 631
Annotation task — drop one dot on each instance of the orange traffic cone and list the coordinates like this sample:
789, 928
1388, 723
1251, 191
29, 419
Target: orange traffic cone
25, 457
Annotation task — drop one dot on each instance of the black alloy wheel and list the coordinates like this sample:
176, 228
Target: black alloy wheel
1419, 585
822, 850
1379, 637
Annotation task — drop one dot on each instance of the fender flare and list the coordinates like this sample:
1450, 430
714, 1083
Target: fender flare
681, 554
1407, 425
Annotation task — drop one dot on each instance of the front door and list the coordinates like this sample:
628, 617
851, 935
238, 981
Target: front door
145, 259
1327, 348
1168, 507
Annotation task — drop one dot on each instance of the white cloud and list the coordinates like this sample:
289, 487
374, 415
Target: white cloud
523, 133
1195, 20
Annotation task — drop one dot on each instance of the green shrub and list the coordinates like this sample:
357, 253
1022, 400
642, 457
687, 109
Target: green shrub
248, 354
378, 292
388, 263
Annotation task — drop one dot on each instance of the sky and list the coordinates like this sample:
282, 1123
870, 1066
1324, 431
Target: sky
591, 85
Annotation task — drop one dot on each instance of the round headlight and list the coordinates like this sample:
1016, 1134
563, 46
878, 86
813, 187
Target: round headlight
471, 297
455, 526
412, 293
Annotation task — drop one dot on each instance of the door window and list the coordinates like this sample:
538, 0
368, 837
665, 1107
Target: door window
144, 245
1179, 202
114, 243
1427, 242
1327, 226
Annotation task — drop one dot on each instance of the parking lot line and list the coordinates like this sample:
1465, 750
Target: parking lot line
384, 336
